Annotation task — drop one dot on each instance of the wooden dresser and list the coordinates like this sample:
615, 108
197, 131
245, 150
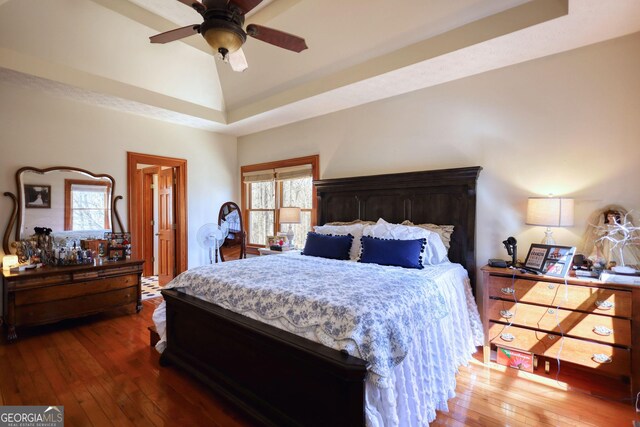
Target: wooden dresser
591, 324
50, 294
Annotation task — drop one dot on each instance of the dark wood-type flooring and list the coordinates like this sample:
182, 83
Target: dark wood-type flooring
103, 371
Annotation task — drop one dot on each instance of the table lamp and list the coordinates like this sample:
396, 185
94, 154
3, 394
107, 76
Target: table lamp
9, 261
549, 212
289, 216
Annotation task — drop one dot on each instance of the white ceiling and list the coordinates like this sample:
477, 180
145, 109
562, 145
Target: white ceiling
97, 51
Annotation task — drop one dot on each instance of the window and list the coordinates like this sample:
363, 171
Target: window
269, 186
87, 205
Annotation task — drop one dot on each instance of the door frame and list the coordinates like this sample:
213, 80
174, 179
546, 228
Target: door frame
147, 218
135, 199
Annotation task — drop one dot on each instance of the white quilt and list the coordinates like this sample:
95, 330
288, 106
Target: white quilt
415, 327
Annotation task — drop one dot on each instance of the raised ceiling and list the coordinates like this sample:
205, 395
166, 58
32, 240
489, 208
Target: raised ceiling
97, 51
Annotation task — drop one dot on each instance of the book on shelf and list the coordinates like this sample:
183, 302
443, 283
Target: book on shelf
608, 276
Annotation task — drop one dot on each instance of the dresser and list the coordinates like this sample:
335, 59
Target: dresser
591, 324
50, 294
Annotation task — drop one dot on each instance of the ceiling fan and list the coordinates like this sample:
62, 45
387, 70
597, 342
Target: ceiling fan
222, 29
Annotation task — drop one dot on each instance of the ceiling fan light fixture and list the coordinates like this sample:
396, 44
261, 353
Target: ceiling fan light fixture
223, 40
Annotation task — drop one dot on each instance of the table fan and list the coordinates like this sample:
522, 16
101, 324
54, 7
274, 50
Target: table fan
211, 236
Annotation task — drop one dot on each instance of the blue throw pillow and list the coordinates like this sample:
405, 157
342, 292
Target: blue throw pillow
328, 246
400, 253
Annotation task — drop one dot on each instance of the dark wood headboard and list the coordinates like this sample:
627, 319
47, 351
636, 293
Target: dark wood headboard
446, 196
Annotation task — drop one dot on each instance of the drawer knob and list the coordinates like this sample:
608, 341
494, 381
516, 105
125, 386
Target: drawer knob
507, 337
506, 314
551, 337
508, 291
601, 358
551, 311
551, 286
602, 330
604, 305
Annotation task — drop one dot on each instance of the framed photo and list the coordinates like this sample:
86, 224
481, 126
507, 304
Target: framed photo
551, 260
116, 254
37, 196
118, 245
277, 241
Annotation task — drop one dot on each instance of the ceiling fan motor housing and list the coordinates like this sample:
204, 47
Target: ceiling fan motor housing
222, 29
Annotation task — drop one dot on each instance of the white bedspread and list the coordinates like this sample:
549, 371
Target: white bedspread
384, 315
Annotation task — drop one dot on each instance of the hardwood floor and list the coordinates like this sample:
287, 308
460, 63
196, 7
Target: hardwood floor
105, 374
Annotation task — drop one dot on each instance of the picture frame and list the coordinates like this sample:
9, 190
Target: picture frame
37, 196
116, 254
277, 241
118, 246
550, 260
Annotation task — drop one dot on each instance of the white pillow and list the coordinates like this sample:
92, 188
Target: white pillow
444, 231
434, 251
342, 230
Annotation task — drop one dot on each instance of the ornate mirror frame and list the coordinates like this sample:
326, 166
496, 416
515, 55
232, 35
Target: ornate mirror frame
17, 214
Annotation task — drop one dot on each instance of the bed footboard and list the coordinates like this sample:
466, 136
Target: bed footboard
276, 377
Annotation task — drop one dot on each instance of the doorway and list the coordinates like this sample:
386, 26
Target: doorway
158, 214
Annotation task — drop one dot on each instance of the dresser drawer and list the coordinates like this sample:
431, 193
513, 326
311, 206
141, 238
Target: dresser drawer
605, 329
573, 297
34, 314
28, 282
568, 349
72, 290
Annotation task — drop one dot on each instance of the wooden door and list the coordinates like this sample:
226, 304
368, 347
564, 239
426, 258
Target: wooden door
166, 226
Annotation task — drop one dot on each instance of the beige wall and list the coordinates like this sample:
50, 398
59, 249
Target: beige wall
42, 131
86, 36
567, 124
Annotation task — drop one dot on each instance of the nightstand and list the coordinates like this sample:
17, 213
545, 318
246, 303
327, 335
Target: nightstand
599, 323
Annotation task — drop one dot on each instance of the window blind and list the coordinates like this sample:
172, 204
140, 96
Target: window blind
89, 188
294, 172
259, 176
279, 174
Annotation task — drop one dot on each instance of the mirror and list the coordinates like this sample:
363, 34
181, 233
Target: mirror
234, 246
74, 203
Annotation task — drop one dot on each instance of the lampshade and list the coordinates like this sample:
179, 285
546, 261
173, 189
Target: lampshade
289, 215
550, 211
9, 261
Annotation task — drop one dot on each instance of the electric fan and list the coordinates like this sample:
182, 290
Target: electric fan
211, 236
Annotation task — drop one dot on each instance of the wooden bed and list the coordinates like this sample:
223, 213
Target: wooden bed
279, 378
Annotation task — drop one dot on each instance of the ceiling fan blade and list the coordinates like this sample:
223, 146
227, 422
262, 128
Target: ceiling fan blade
177, 34
195, 4
277, 37
246, 5
238, 61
